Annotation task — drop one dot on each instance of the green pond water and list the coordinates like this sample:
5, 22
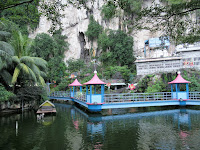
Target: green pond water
73, 129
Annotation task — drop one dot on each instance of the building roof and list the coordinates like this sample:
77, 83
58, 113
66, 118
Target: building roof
75, 83
50, 103
115, 81
144, 60
179, 79
94, 80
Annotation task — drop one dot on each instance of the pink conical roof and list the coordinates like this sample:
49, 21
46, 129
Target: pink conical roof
179, 79
94, 80
75, 83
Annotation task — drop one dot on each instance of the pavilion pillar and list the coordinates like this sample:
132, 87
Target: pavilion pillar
90, 93
70, 91
102, 93
187, 90
80, 88
176, 91
73, 91
86, 92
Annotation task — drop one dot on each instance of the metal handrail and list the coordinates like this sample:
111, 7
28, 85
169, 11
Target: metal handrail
81, 97
194, 95
131, 97
128, 97
60, 94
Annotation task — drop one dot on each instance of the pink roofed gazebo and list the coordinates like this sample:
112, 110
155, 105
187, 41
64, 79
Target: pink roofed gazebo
94, 80
179, 79
74, 85
180, 95
94, 97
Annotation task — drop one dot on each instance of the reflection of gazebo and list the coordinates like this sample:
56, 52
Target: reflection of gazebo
184, 95
74, 85
93, 97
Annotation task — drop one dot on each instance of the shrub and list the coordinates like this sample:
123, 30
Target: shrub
4, 94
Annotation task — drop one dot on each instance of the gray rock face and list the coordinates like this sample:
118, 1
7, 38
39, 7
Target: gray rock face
75, 24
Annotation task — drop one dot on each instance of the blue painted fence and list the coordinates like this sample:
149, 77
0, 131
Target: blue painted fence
126, 100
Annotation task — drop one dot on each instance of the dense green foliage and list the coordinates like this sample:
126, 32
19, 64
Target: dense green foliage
31, 93
194, 77
120, 47
20, 62
4, 94
17, 65
8, 26
75, 65
112, 70
108, 10
28, 70
94, 29
51, 48
23, 15
130, 6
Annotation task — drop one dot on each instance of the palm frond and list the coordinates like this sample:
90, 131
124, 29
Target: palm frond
15, 74
26, 59
32, 75
4, 63
16, 59
41, 63
7, 48
35, 69
18, 43
7, 77
42, 81
4, 34
43, 74
24, 68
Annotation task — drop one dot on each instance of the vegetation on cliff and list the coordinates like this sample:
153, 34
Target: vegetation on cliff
51, 49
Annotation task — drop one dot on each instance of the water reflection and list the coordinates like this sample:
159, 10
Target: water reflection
170, 129
74, 129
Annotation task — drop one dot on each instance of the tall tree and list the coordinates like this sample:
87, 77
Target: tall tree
51, 48
28, 70
6, 54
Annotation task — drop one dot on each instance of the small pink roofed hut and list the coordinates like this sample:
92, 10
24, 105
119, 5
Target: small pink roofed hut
178, 94
73, 86
93, 97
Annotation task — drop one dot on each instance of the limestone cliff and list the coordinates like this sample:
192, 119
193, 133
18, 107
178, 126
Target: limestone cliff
75, 24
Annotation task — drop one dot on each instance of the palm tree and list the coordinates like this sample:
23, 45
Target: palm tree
27, 68
6, 53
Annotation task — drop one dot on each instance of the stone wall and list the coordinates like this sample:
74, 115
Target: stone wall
185, 58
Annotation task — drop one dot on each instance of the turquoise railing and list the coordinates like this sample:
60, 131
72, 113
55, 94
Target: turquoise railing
130, 97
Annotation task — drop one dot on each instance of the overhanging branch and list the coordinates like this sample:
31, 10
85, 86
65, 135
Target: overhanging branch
16, 4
